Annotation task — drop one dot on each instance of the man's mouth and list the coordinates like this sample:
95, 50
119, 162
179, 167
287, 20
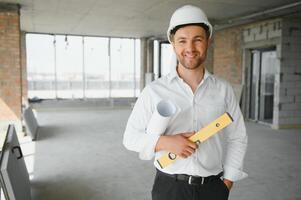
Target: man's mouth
190, 56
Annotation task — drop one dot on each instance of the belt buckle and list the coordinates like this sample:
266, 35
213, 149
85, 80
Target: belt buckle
190, 180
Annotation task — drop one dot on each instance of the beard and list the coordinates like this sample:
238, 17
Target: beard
191, 64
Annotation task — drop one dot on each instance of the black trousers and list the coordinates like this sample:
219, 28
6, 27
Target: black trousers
168, 188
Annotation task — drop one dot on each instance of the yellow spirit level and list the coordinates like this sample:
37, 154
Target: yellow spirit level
202, 135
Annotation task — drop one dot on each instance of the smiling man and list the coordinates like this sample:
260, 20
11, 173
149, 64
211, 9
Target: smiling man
207, 171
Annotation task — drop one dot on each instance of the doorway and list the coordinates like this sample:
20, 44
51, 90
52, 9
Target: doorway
264, 65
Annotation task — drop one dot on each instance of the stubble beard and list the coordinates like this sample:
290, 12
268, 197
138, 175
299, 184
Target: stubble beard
192, 66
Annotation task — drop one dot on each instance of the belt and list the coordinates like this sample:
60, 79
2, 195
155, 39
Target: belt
191, 180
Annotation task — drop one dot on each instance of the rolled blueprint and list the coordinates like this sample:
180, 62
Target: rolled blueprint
157, 125
160, 118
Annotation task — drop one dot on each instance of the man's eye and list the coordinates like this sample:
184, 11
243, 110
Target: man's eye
181, 41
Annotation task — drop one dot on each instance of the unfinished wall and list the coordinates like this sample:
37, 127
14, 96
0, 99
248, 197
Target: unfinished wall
24, 69
227, 55
232, 61
262, 35
209, 58
10, 65
290, 79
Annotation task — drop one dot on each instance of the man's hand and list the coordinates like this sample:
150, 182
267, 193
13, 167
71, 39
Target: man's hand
178, 144
228, 183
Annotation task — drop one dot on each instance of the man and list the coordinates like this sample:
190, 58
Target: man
206, 171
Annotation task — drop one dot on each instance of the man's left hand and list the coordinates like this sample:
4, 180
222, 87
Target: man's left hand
228, 183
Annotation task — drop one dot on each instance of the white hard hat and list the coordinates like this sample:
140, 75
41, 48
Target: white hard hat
188, 15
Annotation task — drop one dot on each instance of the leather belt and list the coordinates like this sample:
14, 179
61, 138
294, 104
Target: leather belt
191, 180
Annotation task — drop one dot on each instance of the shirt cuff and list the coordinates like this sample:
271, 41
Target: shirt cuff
148, 151
233, 174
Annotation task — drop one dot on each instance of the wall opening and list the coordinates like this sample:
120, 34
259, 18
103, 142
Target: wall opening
264, 65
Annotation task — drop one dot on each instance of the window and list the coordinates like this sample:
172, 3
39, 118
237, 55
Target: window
63, 66
40, 66
96, 67
166, 53
122, 74
69, 66
162, 58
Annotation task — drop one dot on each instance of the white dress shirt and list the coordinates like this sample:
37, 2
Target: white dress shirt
224, 151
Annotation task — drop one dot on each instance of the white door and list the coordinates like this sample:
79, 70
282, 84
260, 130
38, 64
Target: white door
14, 175
262, 78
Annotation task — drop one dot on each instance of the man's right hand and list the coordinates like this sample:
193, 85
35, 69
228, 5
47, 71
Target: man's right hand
178, 144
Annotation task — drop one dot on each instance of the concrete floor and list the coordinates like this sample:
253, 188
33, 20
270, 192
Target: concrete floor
79, 156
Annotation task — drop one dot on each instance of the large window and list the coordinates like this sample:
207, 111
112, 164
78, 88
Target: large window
63, 66
41, 70
69, 66
97, 68
122, 74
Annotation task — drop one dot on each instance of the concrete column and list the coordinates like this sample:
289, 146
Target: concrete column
150, 56
147, 61
143, 61
10, 66
149, 74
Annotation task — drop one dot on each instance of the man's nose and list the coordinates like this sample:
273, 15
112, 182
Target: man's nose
190, 46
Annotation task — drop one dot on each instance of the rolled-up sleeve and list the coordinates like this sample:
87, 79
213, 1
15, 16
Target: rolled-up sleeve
237, 140
135, 137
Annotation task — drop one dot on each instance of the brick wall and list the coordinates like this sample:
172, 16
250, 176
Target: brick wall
227, 54
261, 35
24, 69
260, 31
209, 58
10, 64
231, 45
290, 75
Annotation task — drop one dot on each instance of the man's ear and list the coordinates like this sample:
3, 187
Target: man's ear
209, 42
173, 44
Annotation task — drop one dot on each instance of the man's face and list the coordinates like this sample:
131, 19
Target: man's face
190, 44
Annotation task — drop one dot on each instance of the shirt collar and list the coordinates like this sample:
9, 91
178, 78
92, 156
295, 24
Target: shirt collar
174, 74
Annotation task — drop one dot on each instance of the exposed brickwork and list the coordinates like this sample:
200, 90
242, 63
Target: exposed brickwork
209, 58
262, 30
10, 65
227, 55
290, 81
24, 67
283, 33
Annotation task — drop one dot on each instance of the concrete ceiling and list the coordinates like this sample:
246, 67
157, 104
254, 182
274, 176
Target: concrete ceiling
134, 18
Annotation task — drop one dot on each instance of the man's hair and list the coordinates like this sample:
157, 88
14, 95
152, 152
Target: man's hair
204, 26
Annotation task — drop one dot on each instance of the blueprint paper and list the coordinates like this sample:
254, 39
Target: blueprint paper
160, 118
